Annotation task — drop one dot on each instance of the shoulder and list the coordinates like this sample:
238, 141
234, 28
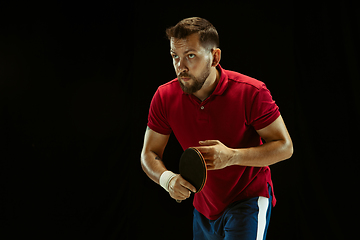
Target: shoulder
168, 92
243, 81
170, 89
172, 85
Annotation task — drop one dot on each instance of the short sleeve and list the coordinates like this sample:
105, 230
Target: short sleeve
264, 110
157, 120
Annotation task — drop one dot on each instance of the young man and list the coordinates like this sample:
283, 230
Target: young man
223, 114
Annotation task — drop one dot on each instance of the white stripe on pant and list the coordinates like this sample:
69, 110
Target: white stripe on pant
263, 204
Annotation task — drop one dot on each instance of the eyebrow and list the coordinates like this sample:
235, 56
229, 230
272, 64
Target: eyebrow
189, 50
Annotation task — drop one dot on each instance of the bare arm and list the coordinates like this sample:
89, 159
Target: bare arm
153, 166
278, 147
152, 152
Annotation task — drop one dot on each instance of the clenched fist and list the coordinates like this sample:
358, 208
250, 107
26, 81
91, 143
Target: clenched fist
180, 189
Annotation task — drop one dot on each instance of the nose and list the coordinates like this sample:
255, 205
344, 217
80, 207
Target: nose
181, 67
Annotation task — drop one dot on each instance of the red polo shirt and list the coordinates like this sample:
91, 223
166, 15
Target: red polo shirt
238, 107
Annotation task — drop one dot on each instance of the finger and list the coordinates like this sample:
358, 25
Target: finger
180, 196
209, 164
209, 161
204, 150
183, 194
187, 185
183, 187
208, 142
211, 167
179, 192
209, 156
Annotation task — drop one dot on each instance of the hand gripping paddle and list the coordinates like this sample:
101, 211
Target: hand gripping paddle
193, 169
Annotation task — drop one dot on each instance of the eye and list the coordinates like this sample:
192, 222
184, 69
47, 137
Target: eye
191, 55
175, 56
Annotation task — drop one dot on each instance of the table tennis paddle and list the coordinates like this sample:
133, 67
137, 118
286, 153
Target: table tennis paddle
193, 169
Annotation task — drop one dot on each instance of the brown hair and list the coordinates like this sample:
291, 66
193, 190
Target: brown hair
209, 37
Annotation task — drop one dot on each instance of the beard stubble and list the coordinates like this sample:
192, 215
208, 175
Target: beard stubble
197, 83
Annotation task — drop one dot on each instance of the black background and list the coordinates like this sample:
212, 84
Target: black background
76, 81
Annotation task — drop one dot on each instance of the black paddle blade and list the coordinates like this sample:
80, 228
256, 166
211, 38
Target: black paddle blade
193, 168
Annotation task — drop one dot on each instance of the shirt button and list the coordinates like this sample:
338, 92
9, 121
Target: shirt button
202, 107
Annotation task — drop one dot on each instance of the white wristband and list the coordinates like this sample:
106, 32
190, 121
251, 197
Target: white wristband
165, 179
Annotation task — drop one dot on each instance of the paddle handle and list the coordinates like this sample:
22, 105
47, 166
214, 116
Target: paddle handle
178, 201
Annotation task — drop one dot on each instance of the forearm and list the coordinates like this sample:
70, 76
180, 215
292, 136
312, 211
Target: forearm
263, 155
152, 165
154, 168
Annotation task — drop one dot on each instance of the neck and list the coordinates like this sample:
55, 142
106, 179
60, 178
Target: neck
209, 85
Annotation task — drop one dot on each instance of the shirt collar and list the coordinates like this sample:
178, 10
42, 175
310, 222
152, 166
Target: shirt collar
223, 82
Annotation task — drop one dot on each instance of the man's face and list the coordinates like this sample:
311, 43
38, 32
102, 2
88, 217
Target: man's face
192, 62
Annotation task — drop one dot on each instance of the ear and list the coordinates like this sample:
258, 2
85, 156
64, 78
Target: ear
216, 52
